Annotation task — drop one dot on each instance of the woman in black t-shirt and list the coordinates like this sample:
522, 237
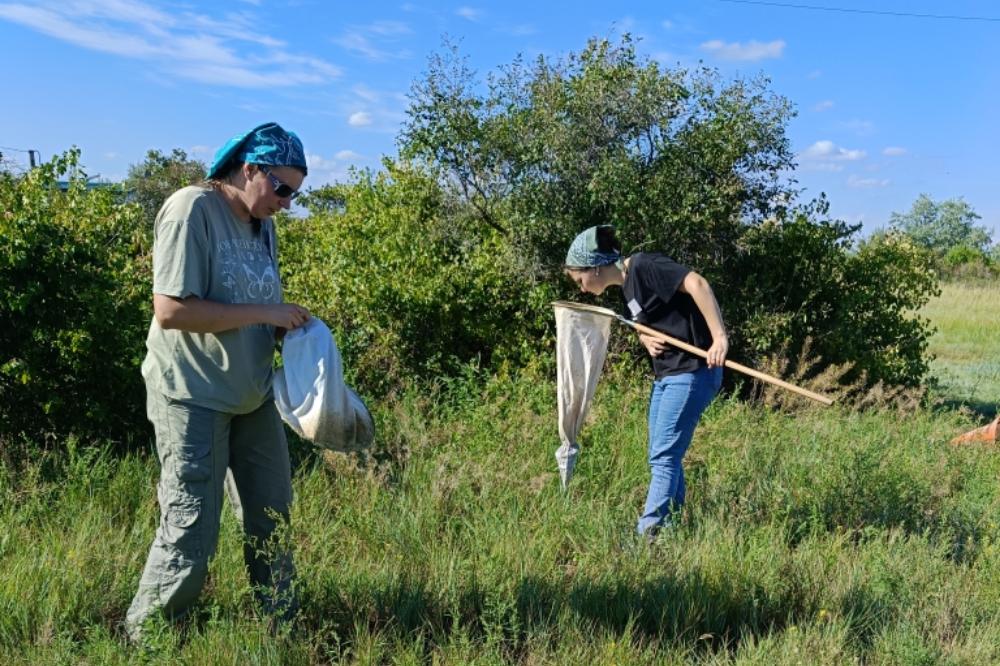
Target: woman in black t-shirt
669, 297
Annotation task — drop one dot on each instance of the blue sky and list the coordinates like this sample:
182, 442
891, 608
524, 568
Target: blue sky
889, 106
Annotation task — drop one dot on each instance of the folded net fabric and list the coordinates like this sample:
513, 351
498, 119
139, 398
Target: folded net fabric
581, 346
311, 395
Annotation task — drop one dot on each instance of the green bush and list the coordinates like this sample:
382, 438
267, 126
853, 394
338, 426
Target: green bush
961, 255
410, 286
968, 264
74, 306
801, 280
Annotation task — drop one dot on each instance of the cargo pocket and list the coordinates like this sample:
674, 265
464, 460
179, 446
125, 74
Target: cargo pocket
180, 529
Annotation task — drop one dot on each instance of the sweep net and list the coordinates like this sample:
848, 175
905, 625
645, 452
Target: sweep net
581, 346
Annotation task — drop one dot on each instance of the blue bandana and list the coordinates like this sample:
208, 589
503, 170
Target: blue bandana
267, 144
583, 252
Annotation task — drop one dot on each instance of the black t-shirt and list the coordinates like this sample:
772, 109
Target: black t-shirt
652, 298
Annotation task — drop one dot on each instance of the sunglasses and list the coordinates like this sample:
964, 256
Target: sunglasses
283, 190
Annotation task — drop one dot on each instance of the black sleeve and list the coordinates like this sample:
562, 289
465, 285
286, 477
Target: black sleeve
657, 279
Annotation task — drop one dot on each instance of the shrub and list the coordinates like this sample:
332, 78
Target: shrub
410, 286
74, 306
802, 280
968, 264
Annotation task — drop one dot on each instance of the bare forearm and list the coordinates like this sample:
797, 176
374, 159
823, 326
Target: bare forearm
196, 315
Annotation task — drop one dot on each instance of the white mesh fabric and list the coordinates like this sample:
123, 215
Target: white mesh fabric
581, 346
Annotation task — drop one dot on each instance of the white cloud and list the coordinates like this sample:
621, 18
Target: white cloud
386, 101
183, 44
667, 25
360, 45
323, 170
815, 74
825, 105
360, 119
366, 93
866, 183
828, 151
361, 40
469, 13
320, 163
200, 150
253, 107
751, 51
894, 151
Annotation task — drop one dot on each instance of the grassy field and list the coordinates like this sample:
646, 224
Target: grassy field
967, 344
827, 537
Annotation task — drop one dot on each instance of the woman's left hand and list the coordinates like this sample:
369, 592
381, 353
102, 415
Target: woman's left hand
717, 352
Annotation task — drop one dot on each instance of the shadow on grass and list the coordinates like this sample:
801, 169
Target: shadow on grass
692, 612
985, 409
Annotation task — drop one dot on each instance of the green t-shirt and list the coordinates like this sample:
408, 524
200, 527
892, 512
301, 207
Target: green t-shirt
201, 249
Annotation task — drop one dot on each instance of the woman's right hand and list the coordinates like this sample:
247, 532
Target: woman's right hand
654, 346
287, 315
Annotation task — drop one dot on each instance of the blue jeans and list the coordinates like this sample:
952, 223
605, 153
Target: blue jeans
675, 406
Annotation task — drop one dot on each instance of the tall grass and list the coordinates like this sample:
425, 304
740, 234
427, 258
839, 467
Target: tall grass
967, 343
826, 537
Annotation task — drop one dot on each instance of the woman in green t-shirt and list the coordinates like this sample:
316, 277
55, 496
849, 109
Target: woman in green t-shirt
218, 309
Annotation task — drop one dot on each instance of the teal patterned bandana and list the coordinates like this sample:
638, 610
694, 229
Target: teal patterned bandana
267, 144
583, 252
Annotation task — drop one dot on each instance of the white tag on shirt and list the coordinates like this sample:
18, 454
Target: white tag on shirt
634, 308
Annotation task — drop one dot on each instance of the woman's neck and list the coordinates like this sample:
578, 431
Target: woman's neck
232, 196
617, 275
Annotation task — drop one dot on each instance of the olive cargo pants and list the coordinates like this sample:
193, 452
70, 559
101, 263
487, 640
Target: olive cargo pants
196, 446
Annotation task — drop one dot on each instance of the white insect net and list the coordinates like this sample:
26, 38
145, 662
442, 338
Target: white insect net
581, 346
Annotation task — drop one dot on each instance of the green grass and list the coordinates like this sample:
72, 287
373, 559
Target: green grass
827, 537
967, 344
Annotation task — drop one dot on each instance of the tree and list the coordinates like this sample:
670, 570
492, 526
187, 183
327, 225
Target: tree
150, 182
672, 157
680, 161
942, 226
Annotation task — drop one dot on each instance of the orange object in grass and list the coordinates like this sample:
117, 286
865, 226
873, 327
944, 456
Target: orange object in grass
987, 433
